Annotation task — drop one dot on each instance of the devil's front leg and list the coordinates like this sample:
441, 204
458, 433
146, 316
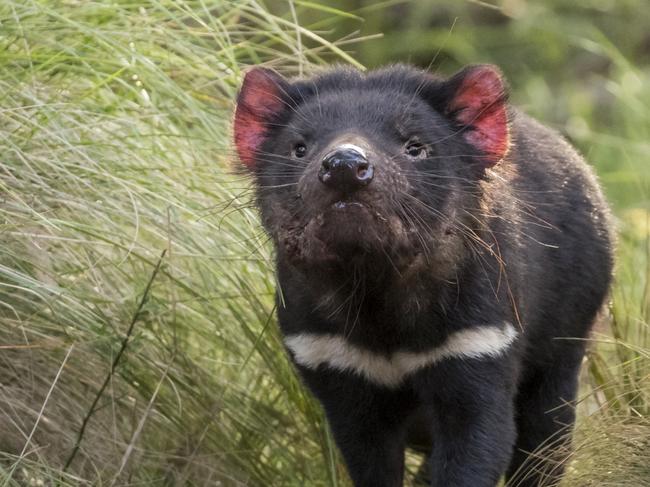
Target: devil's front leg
368, 424
473, 415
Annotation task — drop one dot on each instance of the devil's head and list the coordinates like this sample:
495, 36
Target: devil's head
382, 167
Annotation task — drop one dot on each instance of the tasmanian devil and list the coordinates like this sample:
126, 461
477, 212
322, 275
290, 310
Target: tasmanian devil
440, 259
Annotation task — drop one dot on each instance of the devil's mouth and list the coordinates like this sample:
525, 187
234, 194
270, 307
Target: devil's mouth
350, 211
349, 230
344, 205
346, 220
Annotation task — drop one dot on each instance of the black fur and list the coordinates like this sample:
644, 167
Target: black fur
441, 243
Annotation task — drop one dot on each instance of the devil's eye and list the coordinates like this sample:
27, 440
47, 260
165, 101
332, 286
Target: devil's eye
415, 150
299, 150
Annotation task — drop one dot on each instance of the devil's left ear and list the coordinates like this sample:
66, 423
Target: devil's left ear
476, 99
261, 100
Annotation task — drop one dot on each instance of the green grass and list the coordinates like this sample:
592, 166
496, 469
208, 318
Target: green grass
116, 147
115, 143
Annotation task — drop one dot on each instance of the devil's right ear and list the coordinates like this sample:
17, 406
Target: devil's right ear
261, 99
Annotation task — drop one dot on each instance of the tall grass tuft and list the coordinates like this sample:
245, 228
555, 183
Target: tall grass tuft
115, 143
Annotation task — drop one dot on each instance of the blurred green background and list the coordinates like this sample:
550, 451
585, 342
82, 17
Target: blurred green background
124, 365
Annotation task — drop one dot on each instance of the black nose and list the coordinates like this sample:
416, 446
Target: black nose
346, 170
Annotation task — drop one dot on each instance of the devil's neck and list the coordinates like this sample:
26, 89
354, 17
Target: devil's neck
371, 293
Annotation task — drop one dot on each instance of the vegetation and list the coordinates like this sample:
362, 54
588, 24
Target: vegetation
137, 339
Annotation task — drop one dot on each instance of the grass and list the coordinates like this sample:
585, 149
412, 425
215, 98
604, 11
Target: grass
115, 135
136, 291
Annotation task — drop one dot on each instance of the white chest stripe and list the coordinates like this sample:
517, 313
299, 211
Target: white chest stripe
312, 350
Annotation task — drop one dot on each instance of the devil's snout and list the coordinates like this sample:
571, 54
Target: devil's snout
346, 169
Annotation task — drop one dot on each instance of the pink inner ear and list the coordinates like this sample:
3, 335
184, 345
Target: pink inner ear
260, 99
480, 104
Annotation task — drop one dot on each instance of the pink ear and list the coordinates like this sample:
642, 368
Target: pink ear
260, 100
479, 103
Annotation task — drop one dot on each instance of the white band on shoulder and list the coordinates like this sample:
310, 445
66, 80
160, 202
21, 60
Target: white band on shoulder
312, 350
